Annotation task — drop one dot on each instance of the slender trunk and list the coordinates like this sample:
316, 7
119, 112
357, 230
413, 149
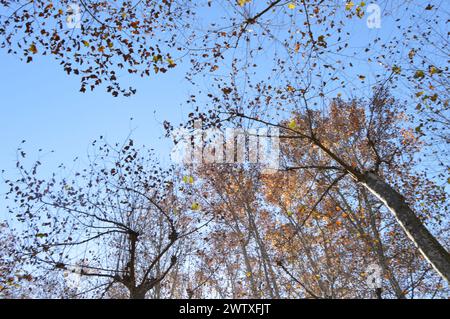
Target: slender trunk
427, 244
267, 263
248, 265
379, 249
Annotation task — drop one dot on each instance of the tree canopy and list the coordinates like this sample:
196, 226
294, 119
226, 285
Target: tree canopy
359, 94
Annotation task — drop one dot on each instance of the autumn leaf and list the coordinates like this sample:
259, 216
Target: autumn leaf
359, 12
292, 124
291, 5
33, 48
171, 63
396, 69
188, 179
290, 88
433, 70
243, 2
349, 5
419, 74
157, 58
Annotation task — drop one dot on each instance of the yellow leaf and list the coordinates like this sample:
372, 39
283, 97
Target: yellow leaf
157, 58
171, 62
433, 70
86, 44
291, 5
396, 69
243, 2
33, 48
195, 206
419, 74
349, 5
188, 179
292, 124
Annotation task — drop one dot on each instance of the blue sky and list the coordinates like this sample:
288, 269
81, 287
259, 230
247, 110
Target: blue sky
39, 103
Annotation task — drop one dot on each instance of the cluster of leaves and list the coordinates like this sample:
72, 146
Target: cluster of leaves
94, 40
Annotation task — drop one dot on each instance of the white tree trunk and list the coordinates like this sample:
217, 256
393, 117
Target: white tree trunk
427, 244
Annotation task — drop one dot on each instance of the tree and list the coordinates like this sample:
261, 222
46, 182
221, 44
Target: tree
365, 105
317, 246
116, 222
365, 169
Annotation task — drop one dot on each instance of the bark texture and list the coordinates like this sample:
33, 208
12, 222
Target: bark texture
427, 244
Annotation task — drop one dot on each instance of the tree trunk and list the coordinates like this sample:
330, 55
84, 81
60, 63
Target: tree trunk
137, 294
427, 244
